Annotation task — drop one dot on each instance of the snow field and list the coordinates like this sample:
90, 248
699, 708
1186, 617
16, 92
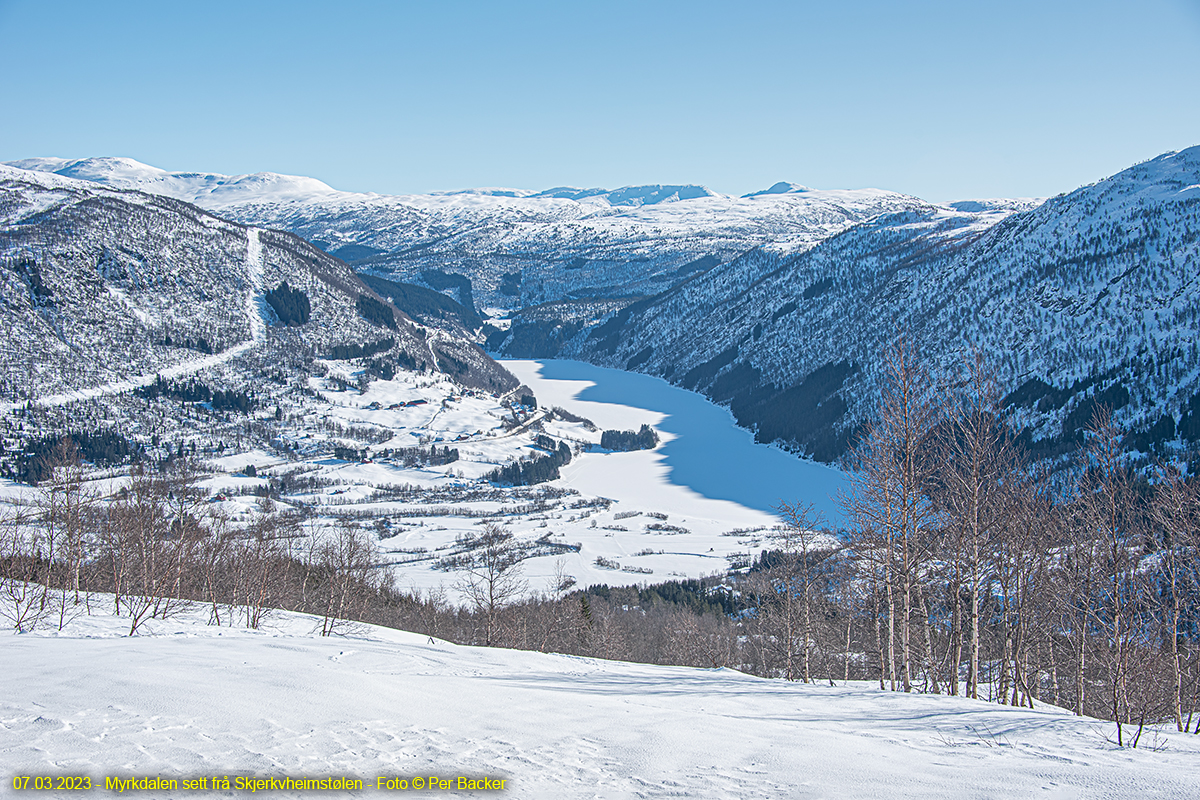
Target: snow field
692, 507
189, 699
617, 546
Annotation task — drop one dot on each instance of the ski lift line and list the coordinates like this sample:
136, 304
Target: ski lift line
255, 298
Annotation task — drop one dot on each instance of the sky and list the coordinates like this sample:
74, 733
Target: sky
943, 100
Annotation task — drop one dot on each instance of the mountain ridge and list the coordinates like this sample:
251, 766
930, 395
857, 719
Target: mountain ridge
109, 287
782, 300
1091, 292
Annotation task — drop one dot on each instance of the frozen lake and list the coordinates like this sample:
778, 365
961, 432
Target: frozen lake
704, 458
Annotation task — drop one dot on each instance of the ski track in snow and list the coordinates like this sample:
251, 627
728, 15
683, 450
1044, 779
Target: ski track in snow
129, 384
258, 332
254, 274
189, 699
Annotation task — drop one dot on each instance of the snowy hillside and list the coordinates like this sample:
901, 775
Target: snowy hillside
517, 248
779, 302
1090, 297
104, 289
189, 700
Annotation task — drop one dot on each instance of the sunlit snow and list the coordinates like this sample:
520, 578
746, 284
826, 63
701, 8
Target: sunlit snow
189, 700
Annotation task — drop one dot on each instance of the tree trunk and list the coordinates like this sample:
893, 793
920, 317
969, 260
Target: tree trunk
891, 636
1080, 666
878, 634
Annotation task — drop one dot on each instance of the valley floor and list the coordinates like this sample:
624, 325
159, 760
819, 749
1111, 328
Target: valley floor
694, 506
192, 700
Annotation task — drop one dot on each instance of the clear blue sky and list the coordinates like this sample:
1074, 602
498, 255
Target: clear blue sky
943, 100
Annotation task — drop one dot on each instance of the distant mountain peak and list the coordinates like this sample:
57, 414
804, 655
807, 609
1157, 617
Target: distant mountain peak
214, 188
653, 194
485, 191
783, 187
645, 195
570, 193
996, 204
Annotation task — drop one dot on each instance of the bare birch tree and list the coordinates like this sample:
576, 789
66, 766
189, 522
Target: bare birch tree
492, 577
974, 488
346, 562
1176, 530
887, 501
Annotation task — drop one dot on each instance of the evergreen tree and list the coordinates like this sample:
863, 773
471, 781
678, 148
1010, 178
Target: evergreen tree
290, 305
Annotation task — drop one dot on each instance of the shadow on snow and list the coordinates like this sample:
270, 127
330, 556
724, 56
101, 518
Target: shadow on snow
709, 455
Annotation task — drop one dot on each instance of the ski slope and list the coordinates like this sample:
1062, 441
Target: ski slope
192, 700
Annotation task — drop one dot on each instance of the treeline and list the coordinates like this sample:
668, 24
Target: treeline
410, 456
528, 472
374, 311
805, 413
290, 305
194, 391
418, 456
199, 344
567, 416
103, 448
423, 305
645, 438
344, 352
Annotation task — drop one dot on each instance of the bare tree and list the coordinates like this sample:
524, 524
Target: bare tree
262, 562
346, 562
1018, 566
492, 578
892, 516
1176, 514
786, 588
550, 619
24, 594
216, 559
1105, 518
975, 489
68, 508
148, 551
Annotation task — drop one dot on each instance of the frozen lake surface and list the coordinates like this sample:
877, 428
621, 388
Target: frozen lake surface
704, 454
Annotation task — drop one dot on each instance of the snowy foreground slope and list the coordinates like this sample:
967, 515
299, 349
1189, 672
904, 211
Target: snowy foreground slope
191, 700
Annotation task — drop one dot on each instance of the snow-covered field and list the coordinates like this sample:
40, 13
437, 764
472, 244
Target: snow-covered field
187, 700
705, 482
695, 505
688, 508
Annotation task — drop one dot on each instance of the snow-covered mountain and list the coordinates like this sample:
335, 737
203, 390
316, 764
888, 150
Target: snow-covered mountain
779, 302
208, 190
102, 289
516, 248
1091, 297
